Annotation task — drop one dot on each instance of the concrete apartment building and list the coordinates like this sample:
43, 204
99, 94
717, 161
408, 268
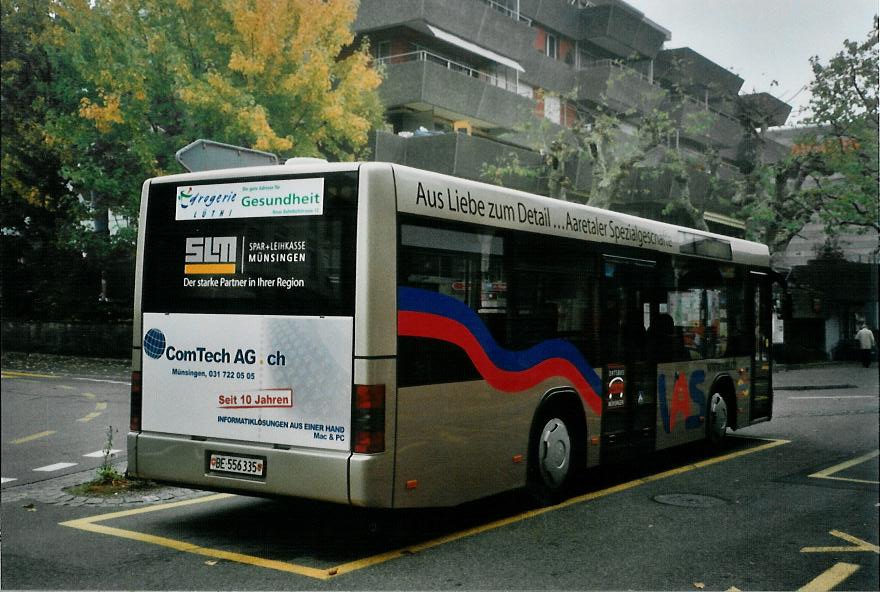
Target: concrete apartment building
461, 76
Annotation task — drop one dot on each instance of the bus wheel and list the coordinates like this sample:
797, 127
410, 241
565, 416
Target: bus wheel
717, 419
554, 446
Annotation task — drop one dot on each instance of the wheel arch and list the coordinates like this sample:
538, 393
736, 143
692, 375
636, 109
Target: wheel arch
565, 398
567, 401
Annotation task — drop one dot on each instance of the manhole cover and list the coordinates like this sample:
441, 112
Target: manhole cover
689, 500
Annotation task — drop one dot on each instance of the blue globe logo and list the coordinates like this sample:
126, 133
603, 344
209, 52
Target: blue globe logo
154, 343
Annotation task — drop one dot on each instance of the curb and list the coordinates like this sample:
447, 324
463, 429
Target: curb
777, 367
52, 492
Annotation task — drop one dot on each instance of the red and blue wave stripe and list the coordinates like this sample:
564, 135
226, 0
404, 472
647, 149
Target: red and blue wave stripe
426, 314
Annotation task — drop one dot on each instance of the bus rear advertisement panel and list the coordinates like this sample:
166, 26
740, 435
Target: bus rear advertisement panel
272, 380
247, 324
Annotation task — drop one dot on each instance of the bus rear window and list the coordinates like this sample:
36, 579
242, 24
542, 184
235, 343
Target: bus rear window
262, 246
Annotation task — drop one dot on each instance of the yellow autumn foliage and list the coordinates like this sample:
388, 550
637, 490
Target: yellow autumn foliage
276, 75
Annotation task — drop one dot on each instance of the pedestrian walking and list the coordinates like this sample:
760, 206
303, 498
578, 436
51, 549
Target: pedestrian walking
866, 344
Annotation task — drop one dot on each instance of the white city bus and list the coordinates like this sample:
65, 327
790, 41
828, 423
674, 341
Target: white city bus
376, 335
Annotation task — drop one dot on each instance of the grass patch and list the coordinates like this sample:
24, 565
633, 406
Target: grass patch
104, 487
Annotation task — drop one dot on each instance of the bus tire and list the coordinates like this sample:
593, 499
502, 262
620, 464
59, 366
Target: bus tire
718, 420
555, 454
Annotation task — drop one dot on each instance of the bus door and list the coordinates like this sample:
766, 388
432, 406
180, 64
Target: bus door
629, 376
762, 391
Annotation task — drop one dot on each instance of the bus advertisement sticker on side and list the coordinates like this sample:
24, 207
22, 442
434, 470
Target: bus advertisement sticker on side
275, 380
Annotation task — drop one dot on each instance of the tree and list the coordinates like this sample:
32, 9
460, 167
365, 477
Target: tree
34, 198
633, 154
132, 81
832, 171
148, 77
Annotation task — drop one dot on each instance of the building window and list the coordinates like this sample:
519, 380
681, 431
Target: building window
553, 109
383, 50
551, 46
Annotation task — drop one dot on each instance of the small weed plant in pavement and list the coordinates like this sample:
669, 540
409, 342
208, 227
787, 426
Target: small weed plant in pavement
108, 481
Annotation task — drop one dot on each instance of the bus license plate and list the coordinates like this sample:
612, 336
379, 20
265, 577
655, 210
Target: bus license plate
223, 463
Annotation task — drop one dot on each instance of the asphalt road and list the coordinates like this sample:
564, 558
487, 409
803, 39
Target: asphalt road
53, 425
789, 504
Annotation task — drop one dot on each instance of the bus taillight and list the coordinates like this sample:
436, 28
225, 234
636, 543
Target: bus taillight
368, 419
136, 402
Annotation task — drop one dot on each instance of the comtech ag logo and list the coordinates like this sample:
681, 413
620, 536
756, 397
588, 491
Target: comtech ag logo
211, 255
154, 343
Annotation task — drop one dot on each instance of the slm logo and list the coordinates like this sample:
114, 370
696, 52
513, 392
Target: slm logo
215, 255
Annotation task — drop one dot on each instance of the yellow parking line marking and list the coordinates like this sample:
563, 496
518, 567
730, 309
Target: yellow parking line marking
13, 374
90, 396
206, 552
831, 577
858, 545
99, 408
90, 524
830, 471
376, 559
33, 437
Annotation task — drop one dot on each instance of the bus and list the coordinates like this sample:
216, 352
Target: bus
382, 336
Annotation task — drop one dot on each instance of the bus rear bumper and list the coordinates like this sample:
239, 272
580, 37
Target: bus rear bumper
295, 472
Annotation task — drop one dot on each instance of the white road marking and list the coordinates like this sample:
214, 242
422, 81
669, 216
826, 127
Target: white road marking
838, 397
56, 467
113, 452
100, 453
105, 381
831, 471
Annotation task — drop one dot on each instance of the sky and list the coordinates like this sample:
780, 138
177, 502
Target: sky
763, 41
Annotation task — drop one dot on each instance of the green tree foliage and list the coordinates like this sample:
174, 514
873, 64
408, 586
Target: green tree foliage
632, 154
38, 270
832, 171
109, 90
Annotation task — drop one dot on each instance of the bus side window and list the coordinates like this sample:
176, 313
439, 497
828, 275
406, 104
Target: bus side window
552, 294
666, 340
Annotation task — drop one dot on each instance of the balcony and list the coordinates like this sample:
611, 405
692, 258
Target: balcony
547, 73
621, 30
425, 81
704, 125
508, 12
559, 16
617, 87
485, 23
460, 155
647, 194
766, 108
698, 75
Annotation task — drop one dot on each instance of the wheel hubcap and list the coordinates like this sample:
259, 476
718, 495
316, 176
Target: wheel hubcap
719, 415
555, 452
